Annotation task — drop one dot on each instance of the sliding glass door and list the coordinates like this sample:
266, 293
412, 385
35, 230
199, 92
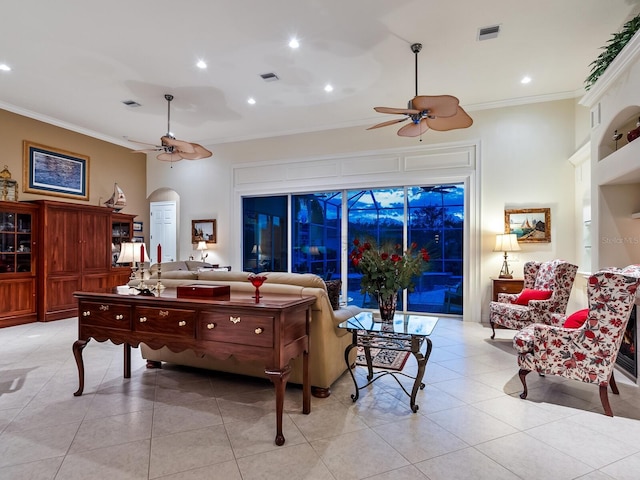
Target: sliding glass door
431, 216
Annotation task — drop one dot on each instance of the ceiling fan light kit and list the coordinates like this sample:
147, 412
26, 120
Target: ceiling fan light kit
174, 150
435, 112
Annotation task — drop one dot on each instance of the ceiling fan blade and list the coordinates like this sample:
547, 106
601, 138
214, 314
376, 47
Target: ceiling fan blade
148, 150
199, 153
169, 157
438, 105
414, 129
390, 122
143, 143
459, 120
400, 111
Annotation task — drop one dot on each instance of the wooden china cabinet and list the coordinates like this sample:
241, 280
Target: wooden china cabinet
76, 253
18, 253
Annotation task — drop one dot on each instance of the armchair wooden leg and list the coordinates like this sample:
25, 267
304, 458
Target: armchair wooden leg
613, 385
523, 373
604, 398
493, 330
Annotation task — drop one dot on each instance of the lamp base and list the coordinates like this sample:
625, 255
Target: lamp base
505, 273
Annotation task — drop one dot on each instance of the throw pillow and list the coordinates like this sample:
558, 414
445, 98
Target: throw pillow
531, 294
333, 290
577, 319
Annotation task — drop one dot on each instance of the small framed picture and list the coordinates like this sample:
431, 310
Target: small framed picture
138, 239
137, 226
530, 225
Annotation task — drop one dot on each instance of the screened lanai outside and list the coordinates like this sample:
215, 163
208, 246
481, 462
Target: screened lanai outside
431, 216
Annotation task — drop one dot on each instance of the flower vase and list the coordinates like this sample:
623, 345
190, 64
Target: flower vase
387, 306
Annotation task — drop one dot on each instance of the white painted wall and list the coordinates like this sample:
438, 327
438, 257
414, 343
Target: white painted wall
523, 162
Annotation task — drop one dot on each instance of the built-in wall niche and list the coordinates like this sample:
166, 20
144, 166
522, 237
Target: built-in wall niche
623, 122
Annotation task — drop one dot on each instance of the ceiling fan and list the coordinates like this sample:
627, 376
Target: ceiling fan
436, 112
174, 150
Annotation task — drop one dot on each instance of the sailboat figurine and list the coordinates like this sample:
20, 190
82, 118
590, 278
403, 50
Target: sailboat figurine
117, 201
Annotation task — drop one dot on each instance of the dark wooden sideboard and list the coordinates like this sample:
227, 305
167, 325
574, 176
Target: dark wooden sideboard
274, 331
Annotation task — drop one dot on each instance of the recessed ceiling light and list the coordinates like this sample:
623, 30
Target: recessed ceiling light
293, 43
328, 88
201, 64
251, 101
526, 79
4, 67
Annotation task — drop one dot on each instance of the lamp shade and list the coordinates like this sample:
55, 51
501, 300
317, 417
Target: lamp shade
506, 242
130, 252
202, 245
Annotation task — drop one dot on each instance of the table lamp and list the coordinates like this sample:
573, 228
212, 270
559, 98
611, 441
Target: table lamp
506, 242
202, 246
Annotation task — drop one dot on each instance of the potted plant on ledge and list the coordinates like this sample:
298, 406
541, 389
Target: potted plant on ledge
386, 271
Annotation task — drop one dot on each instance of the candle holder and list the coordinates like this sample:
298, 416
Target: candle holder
159, 285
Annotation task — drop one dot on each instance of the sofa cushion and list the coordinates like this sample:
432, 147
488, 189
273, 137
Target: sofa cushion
576, 319
333, 291
176, 275
531, 294
169, 267
194, 266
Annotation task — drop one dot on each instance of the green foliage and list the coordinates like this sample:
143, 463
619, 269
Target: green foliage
386, 270
611, 50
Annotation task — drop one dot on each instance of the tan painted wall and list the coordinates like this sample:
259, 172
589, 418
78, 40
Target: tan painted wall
108, 163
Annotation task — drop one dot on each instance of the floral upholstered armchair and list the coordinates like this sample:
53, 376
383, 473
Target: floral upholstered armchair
587, 353
546, 290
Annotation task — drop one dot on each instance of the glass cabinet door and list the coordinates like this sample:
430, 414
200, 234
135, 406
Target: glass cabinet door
15, 242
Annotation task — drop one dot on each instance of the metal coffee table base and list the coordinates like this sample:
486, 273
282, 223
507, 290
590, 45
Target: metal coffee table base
404, 343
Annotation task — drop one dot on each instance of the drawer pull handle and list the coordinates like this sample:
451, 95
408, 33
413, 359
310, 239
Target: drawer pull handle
104, 308
164, 313
143, 319
119, 317
234, 320
182, 323
259, 330
86, 313
211, 326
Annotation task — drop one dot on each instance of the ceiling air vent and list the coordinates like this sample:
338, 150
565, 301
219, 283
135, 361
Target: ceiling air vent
269, 77
131, 103
485, 33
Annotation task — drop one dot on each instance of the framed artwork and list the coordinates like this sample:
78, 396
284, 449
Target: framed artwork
531, 225
137, 226
138, 240
203, 230
51, 171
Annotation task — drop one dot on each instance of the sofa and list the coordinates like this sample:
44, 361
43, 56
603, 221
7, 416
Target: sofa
327, 342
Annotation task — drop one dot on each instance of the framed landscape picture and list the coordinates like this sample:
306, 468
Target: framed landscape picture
51, 171
531, 225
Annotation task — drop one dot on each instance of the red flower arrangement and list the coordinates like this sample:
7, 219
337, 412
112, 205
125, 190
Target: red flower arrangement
387, 270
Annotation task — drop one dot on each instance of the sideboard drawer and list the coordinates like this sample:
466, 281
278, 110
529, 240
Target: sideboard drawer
165, 321
254, 330
109, 315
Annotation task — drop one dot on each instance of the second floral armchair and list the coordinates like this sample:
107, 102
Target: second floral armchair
554, 277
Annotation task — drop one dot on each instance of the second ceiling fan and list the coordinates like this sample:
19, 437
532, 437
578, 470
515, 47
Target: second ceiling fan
172, 149
436, 112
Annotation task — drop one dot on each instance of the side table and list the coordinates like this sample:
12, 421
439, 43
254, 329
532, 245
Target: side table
505, 285
407, 333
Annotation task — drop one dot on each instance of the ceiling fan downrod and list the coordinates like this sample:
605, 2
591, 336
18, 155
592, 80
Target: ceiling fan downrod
415, 48
168, 98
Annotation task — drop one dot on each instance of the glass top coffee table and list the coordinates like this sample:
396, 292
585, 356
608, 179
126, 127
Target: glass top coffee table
407, 333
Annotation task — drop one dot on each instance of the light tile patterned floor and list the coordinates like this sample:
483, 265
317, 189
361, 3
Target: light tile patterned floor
179, 423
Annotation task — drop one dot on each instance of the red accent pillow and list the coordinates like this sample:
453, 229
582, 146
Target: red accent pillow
577, 319
531, 294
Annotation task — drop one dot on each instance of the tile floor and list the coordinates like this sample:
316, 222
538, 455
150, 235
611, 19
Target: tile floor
178, 423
